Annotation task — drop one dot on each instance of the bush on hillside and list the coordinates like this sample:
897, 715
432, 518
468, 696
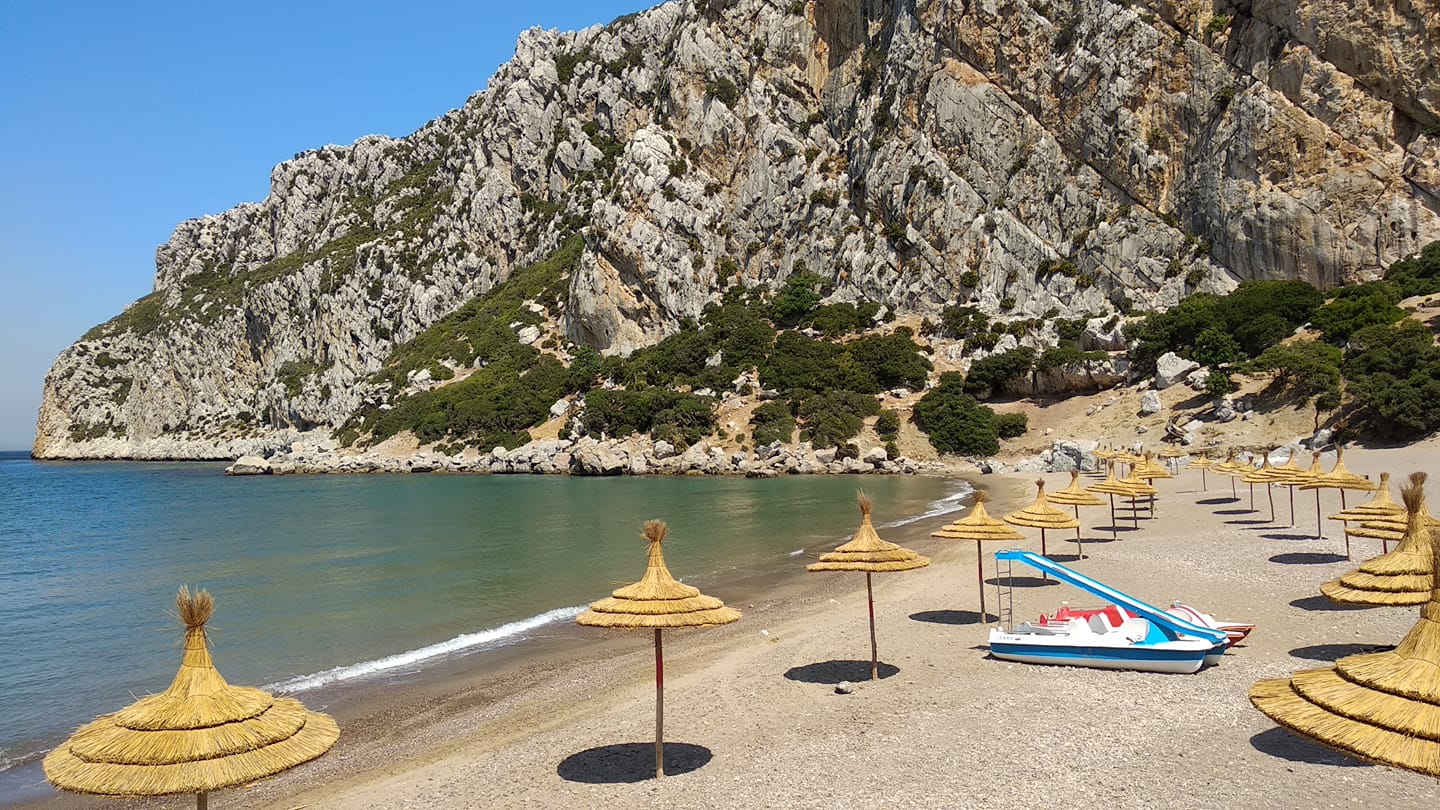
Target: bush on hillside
954, 421
1417, 275
887, 424
1306, 369
679, 418
990, 374
1393, 374
772, 422
798, 297
835, 417
1351, 309
1256, 316
1011, 425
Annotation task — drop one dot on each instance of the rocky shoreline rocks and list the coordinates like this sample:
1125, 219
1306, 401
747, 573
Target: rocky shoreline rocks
636, 455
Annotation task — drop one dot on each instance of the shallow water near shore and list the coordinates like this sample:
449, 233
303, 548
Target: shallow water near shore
326, 581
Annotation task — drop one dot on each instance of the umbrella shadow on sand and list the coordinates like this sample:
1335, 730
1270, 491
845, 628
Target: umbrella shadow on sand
1216, 501
951, 616
1334, 652
1323, 603
835, 671
1277, 742
1234, 511
1307, 558
1022, 582
630, 762
1288, 536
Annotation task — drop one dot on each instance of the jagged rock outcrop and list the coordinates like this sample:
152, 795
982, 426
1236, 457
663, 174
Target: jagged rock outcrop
1029, 157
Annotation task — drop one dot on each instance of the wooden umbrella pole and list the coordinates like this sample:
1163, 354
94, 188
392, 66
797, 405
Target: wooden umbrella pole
874, 652
202, 800
1270, 492
1043, 574
1292, 504
1135, 510
1204, 485
1347, 542
1079, 544
980, 576
1233, 493
1319, 522
1252, 496
1114, 524
659, 706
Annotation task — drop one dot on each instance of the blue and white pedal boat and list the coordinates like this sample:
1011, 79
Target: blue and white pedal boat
1150, 641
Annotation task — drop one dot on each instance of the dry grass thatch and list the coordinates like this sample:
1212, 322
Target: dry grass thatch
1341, 478
199, 735
1041, 515
1201, 463
1383, 707
1073, 495
978, 525
867, 552
1379, 506
1406, 575
1112, 485
657, 600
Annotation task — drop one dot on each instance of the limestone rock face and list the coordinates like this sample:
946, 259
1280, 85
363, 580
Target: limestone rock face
1023, 157
1171, 368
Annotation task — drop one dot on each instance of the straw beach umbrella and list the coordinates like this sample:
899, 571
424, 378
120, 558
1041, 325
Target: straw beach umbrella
1112, 486
1202, 463
1147, 470
1041, 515
982, 528
867, 552
1383, 707
1076, 497
1379, 506
199, 735
1262, 475
1232, 469
1171, 453
657, 602
1290, 476
1341, 479
1405, 576
1139, 486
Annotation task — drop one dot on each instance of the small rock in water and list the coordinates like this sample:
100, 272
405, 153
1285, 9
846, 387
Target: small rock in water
844, 688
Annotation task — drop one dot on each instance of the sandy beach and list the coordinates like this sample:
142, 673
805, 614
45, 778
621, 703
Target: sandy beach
753, 719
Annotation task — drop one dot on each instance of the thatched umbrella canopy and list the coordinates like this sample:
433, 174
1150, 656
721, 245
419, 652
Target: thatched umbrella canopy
1232, 469
1262, 475
1171, 454
1112, 486
1341, 479
200, 735
1139, 486
1041, 515
1406, 575
1202, 463
1075, 497
867, 552
1381, 506
1290, 476
1383, 707
657, 602
982, 528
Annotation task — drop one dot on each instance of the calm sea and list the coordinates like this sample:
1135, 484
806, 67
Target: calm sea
331, 579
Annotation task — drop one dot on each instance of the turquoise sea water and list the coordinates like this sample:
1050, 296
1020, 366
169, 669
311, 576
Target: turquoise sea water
336, 579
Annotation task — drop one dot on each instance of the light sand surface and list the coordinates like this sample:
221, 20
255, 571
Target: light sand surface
753, 719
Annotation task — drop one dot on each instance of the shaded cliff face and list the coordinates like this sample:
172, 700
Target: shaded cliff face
1029, 156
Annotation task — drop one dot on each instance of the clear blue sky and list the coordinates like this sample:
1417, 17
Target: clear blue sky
119, 120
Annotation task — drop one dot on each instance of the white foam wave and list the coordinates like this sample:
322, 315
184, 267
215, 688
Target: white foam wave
410, 658
953, 502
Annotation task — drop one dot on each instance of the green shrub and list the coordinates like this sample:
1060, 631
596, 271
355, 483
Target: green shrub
1393, 373
722, 89
1256, 315
834, 417
1351, 309
954, 421
835, 320
1307, 368
1011, 425
1417, 275
1214, 346
990, 374
887, 424
887, 361
960, 321
1218, 383
799, 296
670, 415
773, 422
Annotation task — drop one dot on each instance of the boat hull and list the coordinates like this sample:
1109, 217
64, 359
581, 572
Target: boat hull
1142, 658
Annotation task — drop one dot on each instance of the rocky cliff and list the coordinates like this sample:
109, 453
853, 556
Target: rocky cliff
1033, 157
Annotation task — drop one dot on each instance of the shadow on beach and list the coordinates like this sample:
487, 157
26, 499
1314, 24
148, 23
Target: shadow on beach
1323, 603
1022, 582
1251, 522
952, 616
1216, 501
1234, 511
1307, 557
1334, 652
1277, 742
1288, 536
630, 762
833, 672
